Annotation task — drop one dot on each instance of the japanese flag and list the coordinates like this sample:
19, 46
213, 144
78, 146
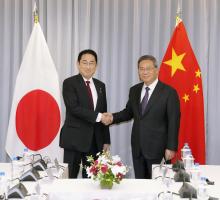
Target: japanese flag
35, 113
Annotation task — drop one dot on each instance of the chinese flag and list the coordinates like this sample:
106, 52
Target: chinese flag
180, 69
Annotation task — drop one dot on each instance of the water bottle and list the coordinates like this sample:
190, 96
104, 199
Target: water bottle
17, 168
13, 168
3, 186
185, 151
2, 174
202, 191
188, 162
195, 174
27, 156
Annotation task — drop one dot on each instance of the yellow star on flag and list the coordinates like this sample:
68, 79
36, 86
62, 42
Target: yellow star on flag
198, 73
176, 62
196, 88
186, 97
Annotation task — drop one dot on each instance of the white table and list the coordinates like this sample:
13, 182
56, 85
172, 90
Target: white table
128, 189
86, 189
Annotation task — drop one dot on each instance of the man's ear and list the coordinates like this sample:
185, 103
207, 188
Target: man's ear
77, 64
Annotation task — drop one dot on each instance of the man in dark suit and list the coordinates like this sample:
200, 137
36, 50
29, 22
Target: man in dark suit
83, 134
155, 108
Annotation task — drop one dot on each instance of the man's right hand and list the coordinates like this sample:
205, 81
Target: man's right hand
107, 118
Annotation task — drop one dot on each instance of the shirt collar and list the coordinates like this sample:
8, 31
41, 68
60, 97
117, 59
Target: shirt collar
91, 80
152, 85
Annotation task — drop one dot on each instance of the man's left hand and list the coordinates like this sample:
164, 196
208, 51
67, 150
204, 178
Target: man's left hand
169, 154
106, 147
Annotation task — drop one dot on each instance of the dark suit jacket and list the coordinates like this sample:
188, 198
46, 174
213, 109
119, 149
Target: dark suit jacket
80, 124
158, 128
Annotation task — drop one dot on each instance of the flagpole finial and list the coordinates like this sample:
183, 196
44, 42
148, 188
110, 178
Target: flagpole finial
35, 13
178, 20
179, 12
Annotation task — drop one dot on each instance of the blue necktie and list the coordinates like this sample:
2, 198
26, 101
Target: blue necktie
144, 100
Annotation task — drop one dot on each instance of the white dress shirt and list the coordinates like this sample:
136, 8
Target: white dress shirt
151, 89
94, 96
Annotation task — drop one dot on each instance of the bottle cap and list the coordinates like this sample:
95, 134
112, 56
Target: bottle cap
15, 158
2, 173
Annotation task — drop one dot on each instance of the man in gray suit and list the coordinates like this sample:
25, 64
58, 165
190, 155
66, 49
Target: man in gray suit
83, 134
155, 108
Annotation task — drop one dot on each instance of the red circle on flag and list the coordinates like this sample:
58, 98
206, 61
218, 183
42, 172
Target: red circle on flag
37, 119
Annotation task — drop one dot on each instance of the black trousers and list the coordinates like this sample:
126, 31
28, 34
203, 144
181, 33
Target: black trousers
143, 166
74, 158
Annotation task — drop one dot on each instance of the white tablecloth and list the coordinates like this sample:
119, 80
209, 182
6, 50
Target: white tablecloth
86, 189
128, 189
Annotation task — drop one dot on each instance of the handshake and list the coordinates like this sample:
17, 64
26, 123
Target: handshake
107, 118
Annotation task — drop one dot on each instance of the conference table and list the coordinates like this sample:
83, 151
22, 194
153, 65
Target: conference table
128, 189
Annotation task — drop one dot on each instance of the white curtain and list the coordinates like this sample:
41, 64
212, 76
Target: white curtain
120, 31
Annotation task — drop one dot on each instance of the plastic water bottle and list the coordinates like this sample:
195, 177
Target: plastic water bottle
17, 168
185, 151
188, 162
3, 185
195, 174
13, 168
27, 156
202, 191
2, 174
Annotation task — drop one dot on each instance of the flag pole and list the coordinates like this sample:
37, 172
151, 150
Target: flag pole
35, 13
179, 12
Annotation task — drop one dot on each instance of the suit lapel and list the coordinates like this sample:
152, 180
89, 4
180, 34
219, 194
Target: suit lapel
154, 97
83, 91
138, 97
99, 93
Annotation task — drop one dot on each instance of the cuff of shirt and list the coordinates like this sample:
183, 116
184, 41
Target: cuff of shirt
99, 117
